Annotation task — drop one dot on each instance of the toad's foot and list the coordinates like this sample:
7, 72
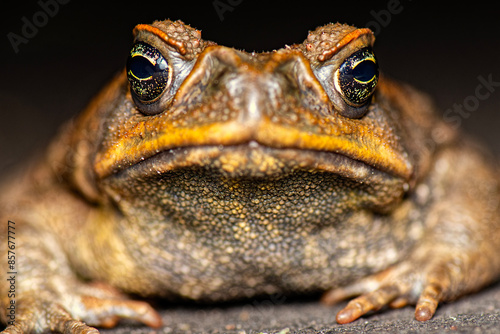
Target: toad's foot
407, 283
95, 305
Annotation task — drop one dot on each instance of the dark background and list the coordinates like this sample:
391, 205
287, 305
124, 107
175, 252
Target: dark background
440, 49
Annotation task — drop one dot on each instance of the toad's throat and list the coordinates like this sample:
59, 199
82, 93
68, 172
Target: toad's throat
250, 183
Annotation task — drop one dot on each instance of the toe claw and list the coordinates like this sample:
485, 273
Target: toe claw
366, 285
107, 312
76, 327
350, 313
109, 322
425, 309
428, 302
334, 296
152, 319
368, 302
399, 302
423, 313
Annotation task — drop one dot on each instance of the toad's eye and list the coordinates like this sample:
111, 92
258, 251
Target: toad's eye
148, 72
357, 77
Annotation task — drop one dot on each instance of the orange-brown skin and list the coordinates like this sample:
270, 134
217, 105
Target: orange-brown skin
250, 174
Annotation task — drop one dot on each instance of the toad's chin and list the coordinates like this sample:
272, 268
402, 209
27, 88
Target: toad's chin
256, 164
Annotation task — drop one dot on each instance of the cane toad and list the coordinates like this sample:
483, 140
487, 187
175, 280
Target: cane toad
208, 173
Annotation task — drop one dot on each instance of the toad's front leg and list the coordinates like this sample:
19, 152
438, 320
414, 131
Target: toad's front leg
458, 253
49, 296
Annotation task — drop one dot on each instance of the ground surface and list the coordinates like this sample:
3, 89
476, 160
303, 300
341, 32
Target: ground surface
478, 313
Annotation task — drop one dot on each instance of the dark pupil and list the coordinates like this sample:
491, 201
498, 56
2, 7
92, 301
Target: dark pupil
365, 71
357, 78
142, 67
147, 72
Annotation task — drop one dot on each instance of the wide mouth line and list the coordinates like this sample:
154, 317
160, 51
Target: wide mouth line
359, 144
246, 158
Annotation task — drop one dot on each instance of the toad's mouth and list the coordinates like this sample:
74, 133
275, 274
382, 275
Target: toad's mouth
253, 160
239, 147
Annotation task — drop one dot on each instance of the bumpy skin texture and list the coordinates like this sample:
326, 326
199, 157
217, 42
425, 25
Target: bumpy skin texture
250, 177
